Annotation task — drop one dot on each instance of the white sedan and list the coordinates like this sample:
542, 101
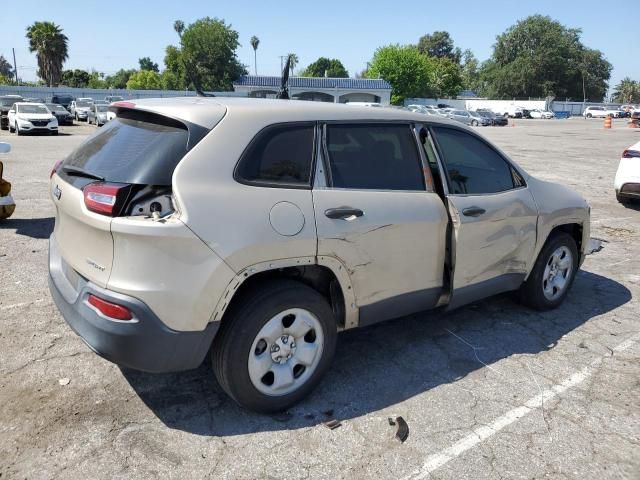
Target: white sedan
627, 182
541, 114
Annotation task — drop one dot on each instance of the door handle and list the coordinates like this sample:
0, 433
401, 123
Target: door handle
473, 211
343, 213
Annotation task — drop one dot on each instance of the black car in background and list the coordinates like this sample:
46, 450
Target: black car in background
6, 101
62, 114
496, 119
63, 99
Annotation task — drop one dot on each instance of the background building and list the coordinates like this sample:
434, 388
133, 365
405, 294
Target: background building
336, 90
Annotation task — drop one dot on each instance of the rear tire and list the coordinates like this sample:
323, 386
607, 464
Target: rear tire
274, 346
589, 115
622, 200
553, 273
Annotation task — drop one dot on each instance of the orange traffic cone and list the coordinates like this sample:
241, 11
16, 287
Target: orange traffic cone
607, 122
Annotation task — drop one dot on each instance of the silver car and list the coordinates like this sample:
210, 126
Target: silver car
258, 229
466, 117
98, 114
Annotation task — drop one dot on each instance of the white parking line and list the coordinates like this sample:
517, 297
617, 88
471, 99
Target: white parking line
435, 461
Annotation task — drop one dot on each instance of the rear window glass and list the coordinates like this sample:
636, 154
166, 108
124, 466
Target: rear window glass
128, 150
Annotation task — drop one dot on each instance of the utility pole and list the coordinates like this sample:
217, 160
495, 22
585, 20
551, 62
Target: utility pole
15, 67
282, 57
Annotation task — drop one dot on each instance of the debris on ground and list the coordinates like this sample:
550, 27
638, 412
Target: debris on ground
595, 245
332, 424
64, 381
402, 432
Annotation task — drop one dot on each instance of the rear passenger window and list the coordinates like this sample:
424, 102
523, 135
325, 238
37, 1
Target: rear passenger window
280, 155
382, 157
473, 167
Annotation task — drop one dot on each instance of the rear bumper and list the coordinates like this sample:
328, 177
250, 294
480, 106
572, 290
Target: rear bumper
629, 190
145, 344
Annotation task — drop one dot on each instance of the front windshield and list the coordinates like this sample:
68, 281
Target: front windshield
39, 109
102, 108
56, 108
7, 102
83, 104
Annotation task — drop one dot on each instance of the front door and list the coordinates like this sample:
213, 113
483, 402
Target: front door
375, 215
493, 215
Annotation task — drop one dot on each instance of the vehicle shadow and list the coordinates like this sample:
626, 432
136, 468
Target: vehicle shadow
39, 228
382, 365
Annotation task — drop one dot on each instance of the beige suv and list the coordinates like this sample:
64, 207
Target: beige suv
258, 229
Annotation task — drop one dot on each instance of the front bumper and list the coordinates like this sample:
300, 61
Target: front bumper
145, 343
30, 127
82, 114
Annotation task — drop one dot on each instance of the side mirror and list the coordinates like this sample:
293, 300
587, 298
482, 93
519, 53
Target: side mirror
12, 111
5, 147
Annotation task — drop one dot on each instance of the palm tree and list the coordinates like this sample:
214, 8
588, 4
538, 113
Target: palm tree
255, 41
627, 91
178, 26
294, 61
50, 45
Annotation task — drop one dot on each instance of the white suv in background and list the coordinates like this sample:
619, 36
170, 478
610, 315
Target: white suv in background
596, 112
32, 117
257, 229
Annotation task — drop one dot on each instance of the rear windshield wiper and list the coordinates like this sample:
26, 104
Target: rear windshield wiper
81, 172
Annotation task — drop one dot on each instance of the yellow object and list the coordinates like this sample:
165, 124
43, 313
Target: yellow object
7, 206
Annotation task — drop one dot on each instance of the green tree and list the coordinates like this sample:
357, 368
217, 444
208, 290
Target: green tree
445, 77
147, 64
119, 79
332, 66
440, 45
407, 70
540, 57
75, 78
208, 48
174, 75
627, 91
96, 80
255, 41
6, 69
145, 80
470, 71
4, 80
49, 44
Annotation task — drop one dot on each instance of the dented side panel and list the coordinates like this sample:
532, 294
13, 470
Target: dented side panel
395, 248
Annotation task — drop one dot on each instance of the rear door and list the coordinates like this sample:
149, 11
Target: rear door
493, 215
375, 215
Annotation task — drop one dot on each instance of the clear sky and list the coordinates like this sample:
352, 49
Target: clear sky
107, 36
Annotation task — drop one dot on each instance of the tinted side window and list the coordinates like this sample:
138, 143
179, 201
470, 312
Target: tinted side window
279, 154
473, 166
375, 156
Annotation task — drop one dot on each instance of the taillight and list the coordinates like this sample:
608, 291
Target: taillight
55, 168
123, 104
105, 198
631, 154
111, 310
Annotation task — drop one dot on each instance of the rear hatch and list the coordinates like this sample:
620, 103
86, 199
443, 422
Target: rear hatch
123, 170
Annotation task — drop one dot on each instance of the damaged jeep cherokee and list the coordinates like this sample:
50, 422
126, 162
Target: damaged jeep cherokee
256, 230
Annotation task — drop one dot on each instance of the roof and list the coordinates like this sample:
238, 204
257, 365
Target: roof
207, 111
314, 82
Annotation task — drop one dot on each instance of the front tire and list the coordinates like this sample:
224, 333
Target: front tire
11, 129
275, 346
553, 273
474, 123
17, 129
